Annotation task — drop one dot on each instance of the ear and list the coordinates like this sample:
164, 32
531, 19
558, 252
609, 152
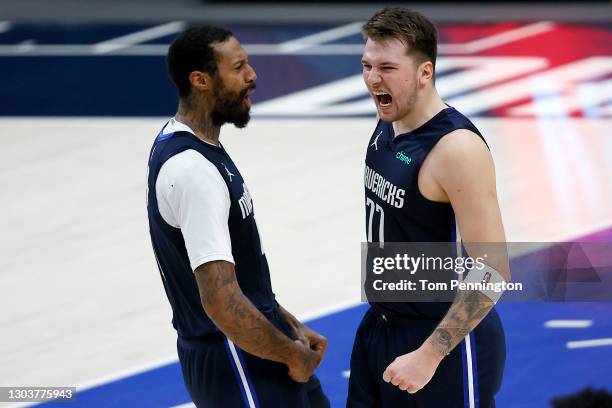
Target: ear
200, 81
426, 72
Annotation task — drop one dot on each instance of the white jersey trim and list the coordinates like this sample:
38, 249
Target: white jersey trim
174, 125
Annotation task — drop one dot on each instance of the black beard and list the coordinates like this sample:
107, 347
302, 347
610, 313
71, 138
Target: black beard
230, 108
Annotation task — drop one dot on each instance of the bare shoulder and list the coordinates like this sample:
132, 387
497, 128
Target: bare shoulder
455, 162
461, 144
461, 150
461, 154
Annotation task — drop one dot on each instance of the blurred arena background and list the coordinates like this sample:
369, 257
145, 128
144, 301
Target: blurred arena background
84, 91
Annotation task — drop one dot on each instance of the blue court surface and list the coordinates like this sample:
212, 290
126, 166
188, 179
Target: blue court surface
66, 71
550, 352
539, 365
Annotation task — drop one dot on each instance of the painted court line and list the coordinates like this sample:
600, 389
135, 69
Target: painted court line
496, 40
321, 37
326, 311
127, 373
589, 343
138, 37
568, 324
174, 359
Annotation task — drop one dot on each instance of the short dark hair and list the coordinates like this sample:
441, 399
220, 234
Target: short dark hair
417, 32
192, 51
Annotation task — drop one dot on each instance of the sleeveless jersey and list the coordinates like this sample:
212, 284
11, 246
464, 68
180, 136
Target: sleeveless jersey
396, 211
252, 273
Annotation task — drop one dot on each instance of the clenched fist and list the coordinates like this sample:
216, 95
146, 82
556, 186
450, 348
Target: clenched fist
411, 372
303, 363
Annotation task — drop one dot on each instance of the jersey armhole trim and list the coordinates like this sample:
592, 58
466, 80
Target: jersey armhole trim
211, 257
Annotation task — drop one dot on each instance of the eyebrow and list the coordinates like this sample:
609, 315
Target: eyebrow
240, 61
384, 63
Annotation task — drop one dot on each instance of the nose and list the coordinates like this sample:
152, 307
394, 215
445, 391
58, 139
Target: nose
251, 74
373, 77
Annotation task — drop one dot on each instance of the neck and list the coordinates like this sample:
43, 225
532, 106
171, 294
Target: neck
199, 121
426, 107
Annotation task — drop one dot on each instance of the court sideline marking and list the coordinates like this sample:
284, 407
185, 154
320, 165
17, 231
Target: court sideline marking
589, 343
568, 324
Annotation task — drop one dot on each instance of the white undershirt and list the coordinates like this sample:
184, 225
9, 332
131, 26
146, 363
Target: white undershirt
192, 196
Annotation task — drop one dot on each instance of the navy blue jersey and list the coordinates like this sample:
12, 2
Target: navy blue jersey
396, 211
252, 273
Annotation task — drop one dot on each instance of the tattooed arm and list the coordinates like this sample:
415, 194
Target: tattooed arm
458, 170
468, 309
471, 190
304, 334
246, 326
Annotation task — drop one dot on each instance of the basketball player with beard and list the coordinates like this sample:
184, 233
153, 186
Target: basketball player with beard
237, 346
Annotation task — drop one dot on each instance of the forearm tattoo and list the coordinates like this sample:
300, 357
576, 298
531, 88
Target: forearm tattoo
467, 310
237, 317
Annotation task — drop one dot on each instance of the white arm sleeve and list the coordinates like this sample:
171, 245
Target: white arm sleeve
192, 196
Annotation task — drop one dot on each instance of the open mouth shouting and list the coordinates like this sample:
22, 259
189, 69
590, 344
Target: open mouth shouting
383, 98
247, 93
